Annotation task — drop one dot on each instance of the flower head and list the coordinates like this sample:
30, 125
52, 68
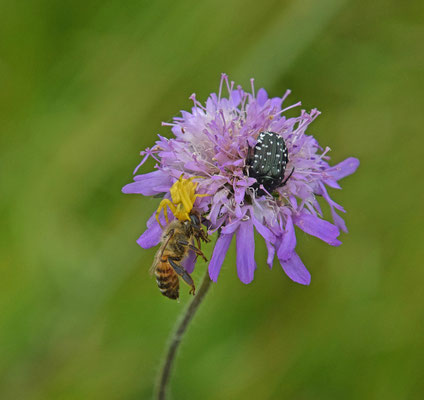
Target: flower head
219, 145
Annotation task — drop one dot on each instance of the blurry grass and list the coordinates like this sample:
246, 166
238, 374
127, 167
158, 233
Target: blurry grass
84, 88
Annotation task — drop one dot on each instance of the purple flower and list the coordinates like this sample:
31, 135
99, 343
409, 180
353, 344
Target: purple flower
213, 141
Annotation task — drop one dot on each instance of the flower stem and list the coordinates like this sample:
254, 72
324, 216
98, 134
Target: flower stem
178, 336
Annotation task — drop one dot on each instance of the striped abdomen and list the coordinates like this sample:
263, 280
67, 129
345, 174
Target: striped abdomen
167, 280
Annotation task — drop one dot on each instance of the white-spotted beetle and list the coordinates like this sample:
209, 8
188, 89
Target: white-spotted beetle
267, 162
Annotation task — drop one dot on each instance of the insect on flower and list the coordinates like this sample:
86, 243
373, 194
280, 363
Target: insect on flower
267, 162
178, 238
183, 194
177, 241
243, 145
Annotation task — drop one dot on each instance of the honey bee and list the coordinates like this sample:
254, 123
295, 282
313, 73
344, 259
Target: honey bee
177, 240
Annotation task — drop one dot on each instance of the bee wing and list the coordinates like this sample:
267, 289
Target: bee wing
155, 263
162, 248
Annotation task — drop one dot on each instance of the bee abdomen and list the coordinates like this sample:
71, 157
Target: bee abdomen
167, 281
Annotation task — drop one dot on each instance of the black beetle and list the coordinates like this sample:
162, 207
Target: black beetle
267, 162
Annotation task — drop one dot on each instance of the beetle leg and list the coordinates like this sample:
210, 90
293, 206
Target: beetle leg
285, 180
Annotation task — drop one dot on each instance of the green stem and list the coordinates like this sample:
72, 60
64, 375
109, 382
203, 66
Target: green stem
178, 336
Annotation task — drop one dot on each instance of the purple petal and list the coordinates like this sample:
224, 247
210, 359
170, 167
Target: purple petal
149, 184
194, 166
213, 214
338, 220
235, 97
271, 252
263, 230
146, 156
219, 252
328, 199
239, 212
295, 270
288, 241
332, 183
276, 102
245, 251
236, 163
318, 227
261, 97
150, 237
345, 168
239, 193
189, 262
232, 226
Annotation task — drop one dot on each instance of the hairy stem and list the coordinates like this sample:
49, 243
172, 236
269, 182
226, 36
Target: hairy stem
178, 336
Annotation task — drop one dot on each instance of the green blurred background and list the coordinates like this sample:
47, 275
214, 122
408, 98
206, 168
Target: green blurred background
84, 86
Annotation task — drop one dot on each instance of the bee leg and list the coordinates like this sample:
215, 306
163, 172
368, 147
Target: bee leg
198, 251
199, 233
194, 248
183, 273
204, 236
198, 242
